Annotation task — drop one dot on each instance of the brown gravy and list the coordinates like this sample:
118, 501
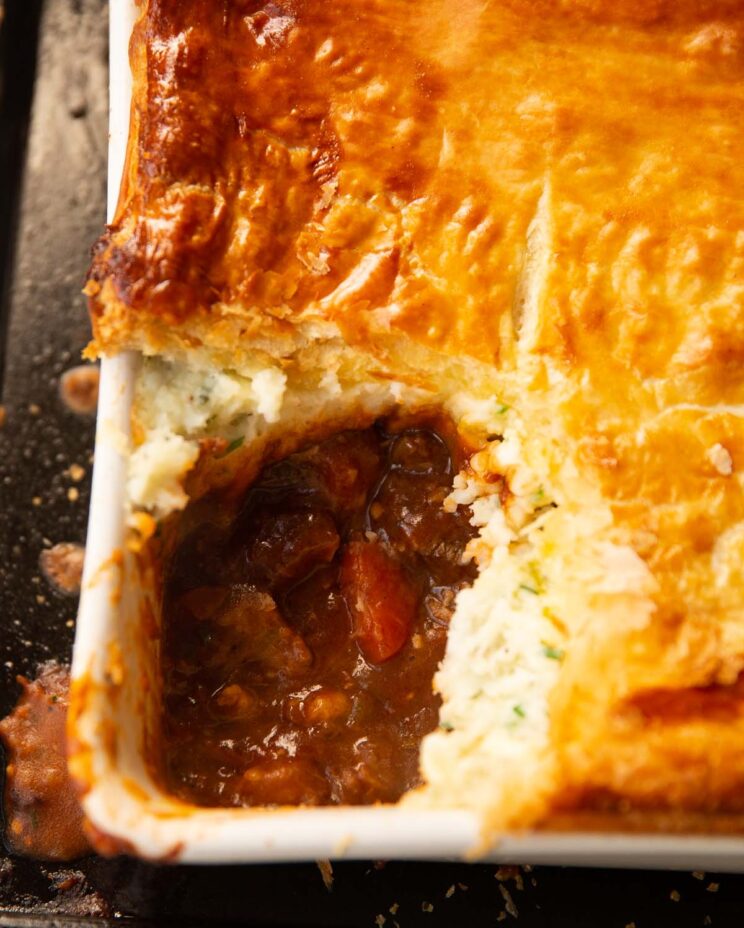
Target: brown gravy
300, 638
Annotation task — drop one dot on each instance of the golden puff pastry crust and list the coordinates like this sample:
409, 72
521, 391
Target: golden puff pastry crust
551, 189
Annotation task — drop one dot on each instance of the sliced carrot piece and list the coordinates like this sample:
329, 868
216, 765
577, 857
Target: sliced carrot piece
380, 599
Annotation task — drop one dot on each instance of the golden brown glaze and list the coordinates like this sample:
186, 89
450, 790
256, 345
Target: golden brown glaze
378, 164
553, 188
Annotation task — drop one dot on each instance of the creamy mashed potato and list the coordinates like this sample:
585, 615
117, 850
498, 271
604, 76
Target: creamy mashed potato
178, 404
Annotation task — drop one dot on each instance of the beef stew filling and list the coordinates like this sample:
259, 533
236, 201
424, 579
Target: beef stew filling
300, 640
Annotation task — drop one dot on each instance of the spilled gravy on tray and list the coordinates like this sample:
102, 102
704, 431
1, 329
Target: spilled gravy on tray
43, 816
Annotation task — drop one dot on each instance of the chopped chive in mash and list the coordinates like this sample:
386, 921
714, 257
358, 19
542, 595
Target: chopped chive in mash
538, 498
537, 578
555, 654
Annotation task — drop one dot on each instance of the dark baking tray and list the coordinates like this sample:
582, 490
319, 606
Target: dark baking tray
46, 227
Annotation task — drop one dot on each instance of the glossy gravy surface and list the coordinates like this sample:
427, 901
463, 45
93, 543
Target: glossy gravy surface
301, 636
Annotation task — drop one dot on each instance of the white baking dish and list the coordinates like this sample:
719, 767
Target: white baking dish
115, 687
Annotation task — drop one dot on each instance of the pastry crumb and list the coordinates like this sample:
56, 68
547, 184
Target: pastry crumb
62, 567
76, 472
508, 901
78, 388
510, 873
326, 872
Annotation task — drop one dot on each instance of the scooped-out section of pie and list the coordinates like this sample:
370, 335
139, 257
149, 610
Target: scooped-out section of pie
303, 624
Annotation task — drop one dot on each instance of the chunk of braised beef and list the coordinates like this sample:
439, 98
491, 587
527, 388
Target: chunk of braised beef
427, 530
347, 465
247, 629
288, 545
381, 600
421, 452
336, 475
319, 614
295, 474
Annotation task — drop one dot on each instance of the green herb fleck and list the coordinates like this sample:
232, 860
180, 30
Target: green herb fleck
233, 446
536, 576
519, 711
477, 695
555, 654
446, 726
54, 698
529, 589
34, 815
502, 409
